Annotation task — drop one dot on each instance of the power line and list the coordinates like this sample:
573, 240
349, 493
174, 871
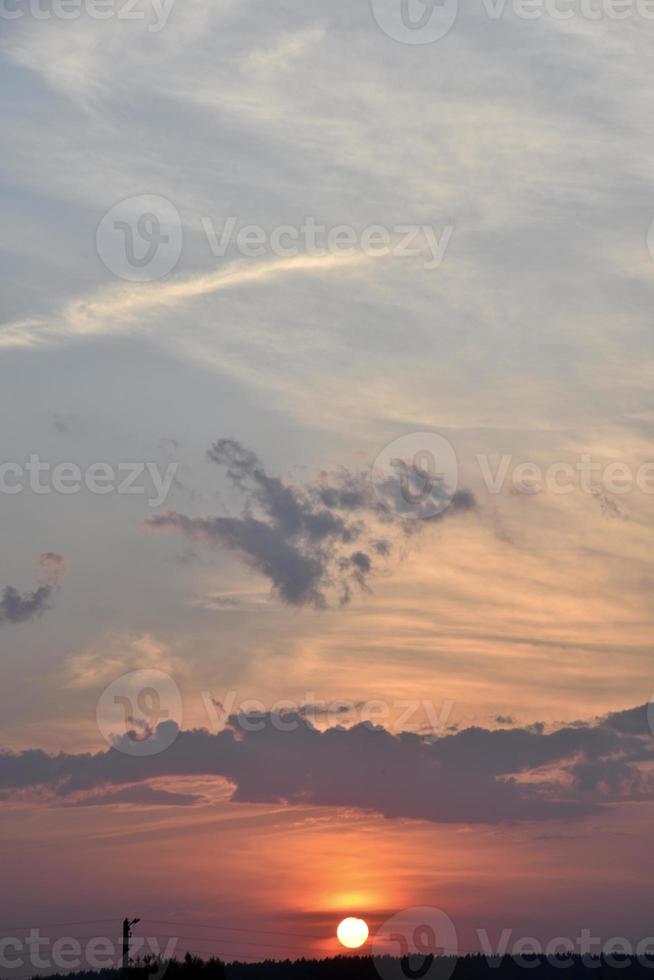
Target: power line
220, 953
202, 939
259, 932
165, 922
55, 925
212, 941
237, 942
264, 932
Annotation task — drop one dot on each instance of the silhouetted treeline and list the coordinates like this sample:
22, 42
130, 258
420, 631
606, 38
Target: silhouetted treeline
365, 968
190, 968
444, 968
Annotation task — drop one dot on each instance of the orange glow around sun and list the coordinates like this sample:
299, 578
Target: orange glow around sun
352, 933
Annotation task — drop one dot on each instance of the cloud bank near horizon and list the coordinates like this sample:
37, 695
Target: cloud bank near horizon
475, 776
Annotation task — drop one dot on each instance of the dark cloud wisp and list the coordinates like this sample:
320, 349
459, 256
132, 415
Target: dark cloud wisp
17, 607
316, 542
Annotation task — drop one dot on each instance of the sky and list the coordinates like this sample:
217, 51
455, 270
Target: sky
327, 469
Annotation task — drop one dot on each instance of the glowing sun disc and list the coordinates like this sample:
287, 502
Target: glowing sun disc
352, 933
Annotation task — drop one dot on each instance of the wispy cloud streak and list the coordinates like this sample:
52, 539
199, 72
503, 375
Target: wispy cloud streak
122, 308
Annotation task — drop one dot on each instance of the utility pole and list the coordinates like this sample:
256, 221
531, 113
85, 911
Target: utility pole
127, 935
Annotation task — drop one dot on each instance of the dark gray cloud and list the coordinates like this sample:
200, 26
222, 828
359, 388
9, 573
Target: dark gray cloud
17, 607
313, 542
295, 576
632, 721
320, 710
473, 776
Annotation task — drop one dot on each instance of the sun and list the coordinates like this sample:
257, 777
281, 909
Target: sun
352, 933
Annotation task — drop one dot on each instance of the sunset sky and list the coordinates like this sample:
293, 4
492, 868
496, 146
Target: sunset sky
361, 709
